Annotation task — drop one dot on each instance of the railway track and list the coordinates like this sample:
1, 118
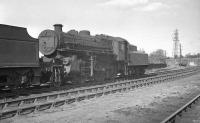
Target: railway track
16, 93
189, 113
42, 102
6, 95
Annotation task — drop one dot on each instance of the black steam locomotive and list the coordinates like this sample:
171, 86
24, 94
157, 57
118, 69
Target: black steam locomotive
79, 56
68, 57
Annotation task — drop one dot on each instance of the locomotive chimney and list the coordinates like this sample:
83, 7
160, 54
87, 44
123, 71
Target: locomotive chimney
58, 27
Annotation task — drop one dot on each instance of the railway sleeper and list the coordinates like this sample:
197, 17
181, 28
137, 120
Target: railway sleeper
119, 90
106, 92
13, 104
72, 93
42, 99
101, 88
91, 96
89, 90
2, 106
8, 114
59, 103
99, 94
114, 91
44, 106
69, 101
52, 97
29, 101
26, 110
65, 94
81, 98
81, 91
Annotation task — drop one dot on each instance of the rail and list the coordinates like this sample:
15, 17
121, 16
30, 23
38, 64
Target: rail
46, 101
172, 117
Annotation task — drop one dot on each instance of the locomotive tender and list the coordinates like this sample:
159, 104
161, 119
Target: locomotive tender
19, 60
79, 56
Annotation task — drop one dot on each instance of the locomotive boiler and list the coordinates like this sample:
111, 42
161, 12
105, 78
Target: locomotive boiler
78, 56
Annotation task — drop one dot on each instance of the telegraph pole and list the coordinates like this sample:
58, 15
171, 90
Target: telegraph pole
180, 53
175, 44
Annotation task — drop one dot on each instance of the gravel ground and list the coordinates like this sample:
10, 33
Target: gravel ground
144, 105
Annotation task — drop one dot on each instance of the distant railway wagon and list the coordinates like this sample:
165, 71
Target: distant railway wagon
19, 61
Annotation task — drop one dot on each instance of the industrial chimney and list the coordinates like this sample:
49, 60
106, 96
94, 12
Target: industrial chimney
58, 27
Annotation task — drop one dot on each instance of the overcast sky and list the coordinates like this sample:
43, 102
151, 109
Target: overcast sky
148, 24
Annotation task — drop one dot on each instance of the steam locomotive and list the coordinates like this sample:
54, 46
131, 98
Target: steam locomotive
70, 56
79, 56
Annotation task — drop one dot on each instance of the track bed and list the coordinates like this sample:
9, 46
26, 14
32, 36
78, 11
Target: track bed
143, 105
109, 88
